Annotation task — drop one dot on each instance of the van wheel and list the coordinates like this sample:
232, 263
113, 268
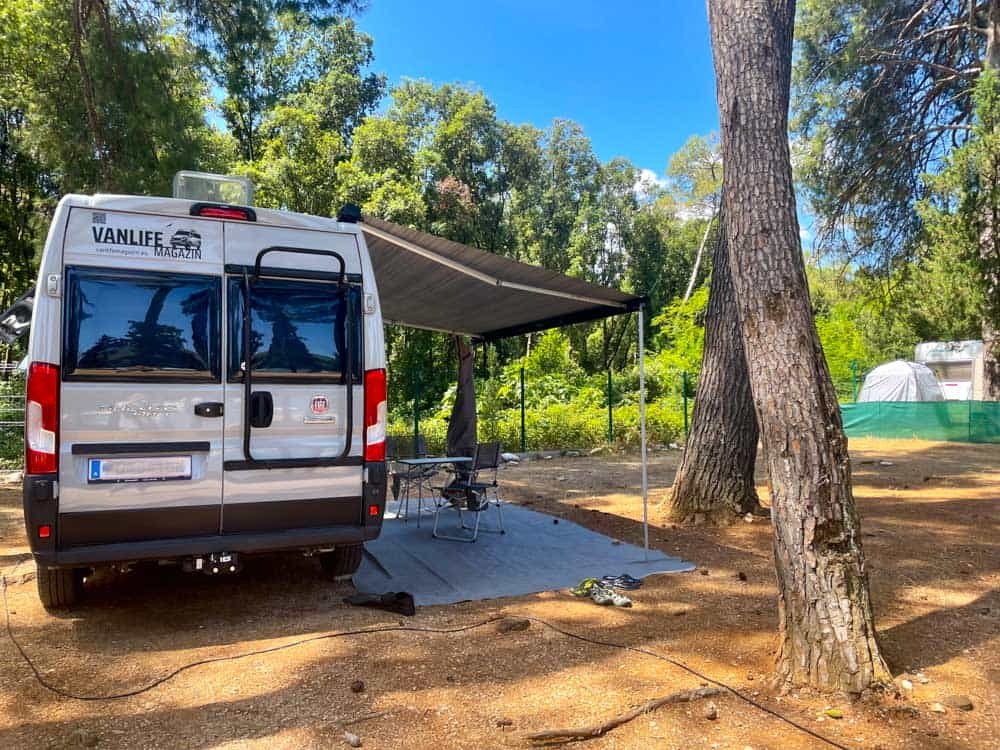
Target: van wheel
59, 587
343, 561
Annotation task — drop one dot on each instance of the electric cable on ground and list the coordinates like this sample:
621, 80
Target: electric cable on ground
397, 629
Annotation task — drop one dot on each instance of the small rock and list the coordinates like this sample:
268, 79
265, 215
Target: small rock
834, 713
560, 479
555, 521
504, 722
922, 678
961, 702
748, 518
616, 542
352, 739
742, 576
703, 571
510, 457
904, 710
885, 463
711, 712
357, 686
938, 708
513, 624
906, 684
984, 611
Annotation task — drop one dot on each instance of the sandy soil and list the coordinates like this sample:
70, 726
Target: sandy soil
930, 521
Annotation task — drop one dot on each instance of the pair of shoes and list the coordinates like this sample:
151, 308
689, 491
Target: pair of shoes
605, 595
584, 587
624, 581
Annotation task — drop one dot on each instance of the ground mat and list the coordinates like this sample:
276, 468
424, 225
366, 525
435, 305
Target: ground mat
534, 555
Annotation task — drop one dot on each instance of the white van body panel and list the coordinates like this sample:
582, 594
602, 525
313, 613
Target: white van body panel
101, 416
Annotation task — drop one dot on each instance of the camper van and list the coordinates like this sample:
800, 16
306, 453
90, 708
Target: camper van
205, 381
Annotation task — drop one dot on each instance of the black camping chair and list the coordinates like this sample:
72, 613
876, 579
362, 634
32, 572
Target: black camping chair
473, 493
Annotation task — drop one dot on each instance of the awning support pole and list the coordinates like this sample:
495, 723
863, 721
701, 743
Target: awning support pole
642, 435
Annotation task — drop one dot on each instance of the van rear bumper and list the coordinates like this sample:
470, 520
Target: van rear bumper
41, 508
161, 549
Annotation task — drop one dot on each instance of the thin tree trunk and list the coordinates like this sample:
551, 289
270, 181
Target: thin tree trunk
715, 481
697, 258
827, 628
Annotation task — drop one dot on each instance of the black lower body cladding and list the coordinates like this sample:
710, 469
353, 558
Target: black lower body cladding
94, 538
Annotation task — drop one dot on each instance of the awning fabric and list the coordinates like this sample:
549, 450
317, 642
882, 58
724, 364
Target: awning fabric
433, 283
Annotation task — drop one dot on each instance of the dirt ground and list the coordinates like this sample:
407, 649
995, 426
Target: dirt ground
930, 519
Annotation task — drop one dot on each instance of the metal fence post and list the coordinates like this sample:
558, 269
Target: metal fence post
416, 407
854, 379
524, 444
611, 416
684, 394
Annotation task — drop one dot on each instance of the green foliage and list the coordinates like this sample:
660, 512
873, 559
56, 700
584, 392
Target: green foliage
12, 412
112, 97
696, 173
881, 95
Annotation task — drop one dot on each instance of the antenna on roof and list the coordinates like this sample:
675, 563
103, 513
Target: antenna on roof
213, 188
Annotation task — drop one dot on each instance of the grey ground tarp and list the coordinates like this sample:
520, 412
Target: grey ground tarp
534, 555
433, 283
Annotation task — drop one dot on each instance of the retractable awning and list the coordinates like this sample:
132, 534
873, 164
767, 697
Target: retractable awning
433, 283
430, 282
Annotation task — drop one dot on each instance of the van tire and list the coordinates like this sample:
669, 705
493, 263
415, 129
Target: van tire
59, 588
343, 561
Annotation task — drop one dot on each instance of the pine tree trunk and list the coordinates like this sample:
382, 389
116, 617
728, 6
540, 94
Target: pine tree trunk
827, 627
989, 248
714, 483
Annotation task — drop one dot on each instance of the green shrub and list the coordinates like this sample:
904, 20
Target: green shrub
557, 426
11, 411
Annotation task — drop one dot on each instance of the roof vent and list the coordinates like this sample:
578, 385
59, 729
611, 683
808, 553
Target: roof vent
349, 214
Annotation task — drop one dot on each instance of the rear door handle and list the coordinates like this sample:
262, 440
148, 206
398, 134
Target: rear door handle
209, 409
261, 409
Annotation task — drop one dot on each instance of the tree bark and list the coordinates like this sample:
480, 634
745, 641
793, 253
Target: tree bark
989, 251
827, 628
714, 484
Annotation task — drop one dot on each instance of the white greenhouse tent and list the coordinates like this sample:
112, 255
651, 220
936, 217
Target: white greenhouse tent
901, 381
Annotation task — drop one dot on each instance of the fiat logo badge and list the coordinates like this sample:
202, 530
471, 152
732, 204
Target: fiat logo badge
320, 404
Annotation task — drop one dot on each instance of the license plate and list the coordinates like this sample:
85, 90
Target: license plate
158, 469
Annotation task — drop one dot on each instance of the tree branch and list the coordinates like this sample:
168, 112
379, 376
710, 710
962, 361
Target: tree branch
891, 57
586, 733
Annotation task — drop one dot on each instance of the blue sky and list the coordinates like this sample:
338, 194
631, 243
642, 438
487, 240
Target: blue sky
637, 75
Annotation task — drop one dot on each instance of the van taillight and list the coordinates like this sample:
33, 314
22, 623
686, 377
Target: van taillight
375, 415
41, 419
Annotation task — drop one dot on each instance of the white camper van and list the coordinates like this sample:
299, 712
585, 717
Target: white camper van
150, 432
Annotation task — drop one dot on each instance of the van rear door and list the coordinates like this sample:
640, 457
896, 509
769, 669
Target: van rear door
141, 394
294, 406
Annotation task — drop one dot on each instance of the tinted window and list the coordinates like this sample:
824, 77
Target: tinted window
141, 324
297, 329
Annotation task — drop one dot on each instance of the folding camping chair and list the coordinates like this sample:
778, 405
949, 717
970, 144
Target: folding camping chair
474, 493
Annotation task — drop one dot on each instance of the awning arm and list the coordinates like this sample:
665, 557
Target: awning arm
484, 277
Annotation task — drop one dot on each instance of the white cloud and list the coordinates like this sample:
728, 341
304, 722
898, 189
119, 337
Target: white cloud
648, 184
805, 235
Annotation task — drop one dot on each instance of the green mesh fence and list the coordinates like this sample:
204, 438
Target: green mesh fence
955, 421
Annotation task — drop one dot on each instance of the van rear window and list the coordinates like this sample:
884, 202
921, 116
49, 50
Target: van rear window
126, 325
297, 330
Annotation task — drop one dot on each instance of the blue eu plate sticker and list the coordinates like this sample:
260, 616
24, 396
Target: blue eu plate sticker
95, 468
